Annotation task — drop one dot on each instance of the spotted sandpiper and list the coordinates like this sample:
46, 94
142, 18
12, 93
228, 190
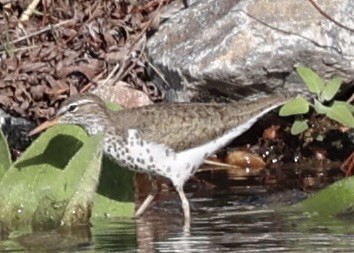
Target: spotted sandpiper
171, 140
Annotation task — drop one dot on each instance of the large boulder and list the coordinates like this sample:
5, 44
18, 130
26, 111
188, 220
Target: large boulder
237, 48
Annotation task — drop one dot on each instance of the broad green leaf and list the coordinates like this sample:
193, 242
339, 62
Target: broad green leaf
313, 81
341, 114
79, 207
349, 106
298, 127
331, 89
319, 107
296, 106
30, 180
46, 182
115, 193
331, 201
5, 156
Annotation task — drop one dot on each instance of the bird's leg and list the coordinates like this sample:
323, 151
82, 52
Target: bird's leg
185, 205
149, 198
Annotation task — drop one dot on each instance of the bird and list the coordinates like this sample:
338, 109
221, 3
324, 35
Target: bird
166, 139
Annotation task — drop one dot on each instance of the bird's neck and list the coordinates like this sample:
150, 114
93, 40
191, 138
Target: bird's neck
97, 125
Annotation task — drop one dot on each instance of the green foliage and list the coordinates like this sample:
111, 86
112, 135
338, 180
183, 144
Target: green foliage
5, 156
57, 178
298, 105
299, 126
331, 89
335, 200
339, 111
313, 81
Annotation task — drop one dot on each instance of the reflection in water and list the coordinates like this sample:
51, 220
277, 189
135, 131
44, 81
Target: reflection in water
221, 222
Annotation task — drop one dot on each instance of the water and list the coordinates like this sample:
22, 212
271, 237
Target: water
237, 220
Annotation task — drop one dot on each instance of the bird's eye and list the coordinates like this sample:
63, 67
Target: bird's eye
72, 108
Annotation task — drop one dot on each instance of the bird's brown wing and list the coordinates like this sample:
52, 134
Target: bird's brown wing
187, 125
180, 126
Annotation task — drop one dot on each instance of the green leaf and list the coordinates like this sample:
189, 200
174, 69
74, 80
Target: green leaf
333, 200
29, 181
80, 203
296, 106
343, 103
313, 81
320, 108
115, 193
298, 127
57, 175
5, 156
331, 89
341, 114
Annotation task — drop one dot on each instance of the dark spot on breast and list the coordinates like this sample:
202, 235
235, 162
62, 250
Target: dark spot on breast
151, 158
151, 167
168, 169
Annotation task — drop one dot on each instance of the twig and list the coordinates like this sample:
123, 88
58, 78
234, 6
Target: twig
350, 99
46, 29
29, 11
219, 164
329, 17
111, 73
123, 70
157, 71
19, 49
92, 82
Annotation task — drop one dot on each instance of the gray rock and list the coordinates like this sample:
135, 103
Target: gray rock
15, 130
238, 48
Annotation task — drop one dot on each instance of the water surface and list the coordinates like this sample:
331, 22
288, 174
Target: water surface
236, 220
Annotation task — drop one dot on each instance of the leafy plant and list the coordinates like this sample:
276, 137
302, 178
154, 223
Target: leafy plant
335, 200
323, 103
61, 179
5, 156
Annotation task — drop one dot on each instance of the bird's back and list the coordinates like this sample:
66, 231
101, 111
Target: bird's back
186, 125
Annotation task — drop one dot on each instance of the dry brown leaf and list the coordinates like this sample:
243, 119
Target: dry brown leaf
245, 159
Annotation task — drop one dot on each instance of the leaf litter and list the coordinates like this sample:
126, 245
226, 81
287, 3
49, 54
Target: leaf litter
66, 47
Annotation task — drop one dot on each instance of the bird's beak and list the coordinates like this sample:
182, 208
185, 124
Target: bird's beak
44, 126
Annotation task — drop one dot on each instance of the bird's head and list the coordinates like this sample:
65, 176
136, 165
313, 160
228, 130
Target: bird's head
85, 110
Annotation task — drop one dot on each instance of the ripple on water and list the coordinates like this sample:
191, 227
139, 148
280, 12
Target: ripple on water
222, 223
